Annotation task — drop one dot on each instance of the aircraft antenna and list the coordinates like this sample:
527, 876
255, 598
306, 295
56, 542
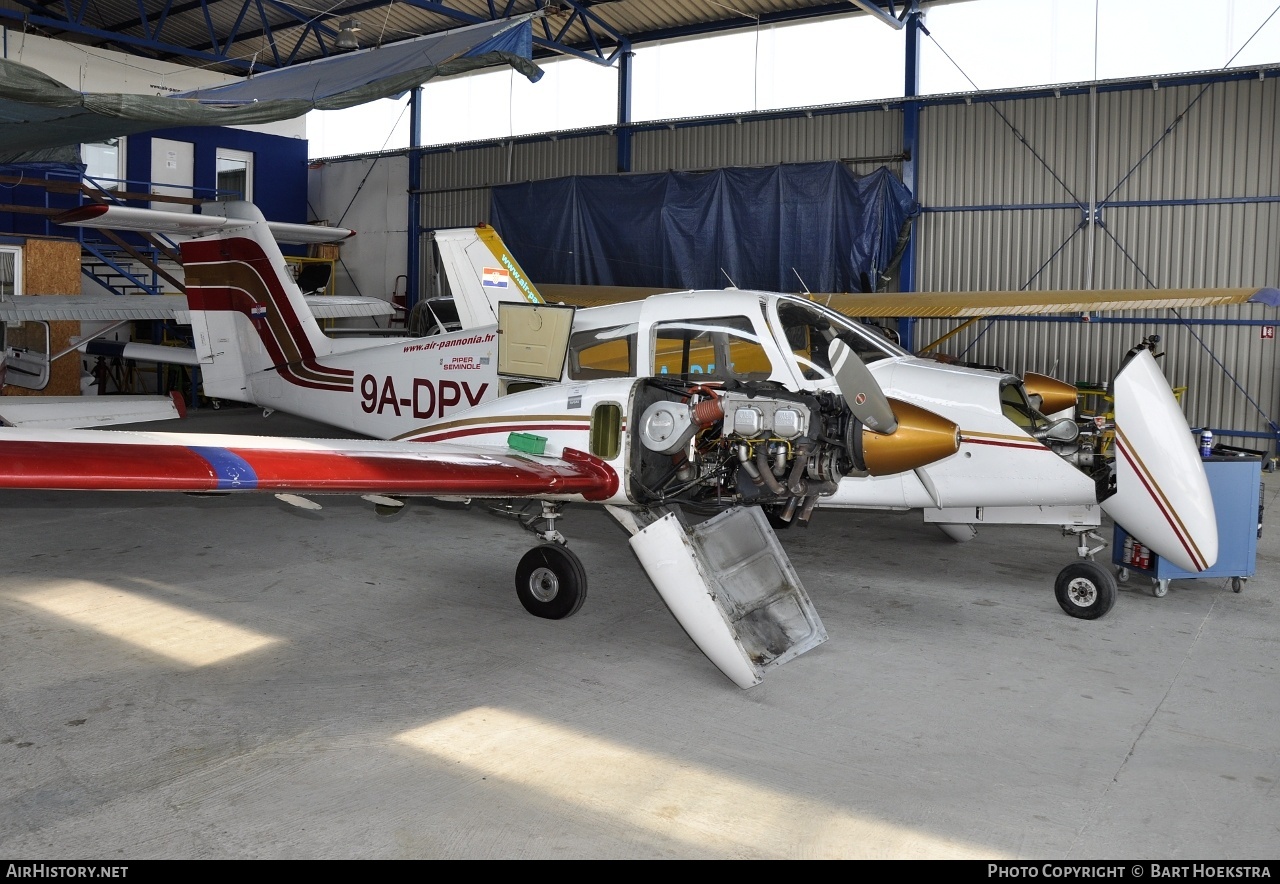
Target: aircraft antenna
802, 285
732, 284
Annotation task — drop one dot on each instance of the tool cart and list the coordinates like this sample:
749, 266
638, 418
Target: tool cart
1235, 480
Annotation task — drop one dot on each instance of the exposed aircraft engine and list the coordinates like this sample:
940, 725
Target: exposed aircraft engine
743, 443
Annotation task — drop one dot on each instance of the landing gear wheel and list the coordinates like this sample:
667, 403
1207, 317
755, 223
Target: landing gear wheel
1085, 590
551, 582
1160, 588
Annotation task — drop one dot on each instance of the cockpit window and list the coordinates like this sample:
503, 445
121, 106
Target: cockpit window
603, 353
1017, 408
723, 347
809, 329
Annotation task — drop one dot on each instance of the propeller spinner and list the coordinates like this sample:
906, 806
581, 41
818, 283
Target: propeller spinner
860, 390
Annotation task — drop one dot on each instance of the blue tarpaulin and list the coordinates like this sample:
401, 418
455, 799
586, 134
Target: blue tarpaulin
813, 226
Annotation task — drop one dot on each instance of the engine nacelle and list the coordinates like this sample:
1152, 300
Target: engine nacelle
711, 447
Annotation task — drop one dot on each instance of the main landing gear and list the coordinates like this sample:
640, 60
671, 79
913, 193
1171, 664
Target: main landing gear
550, 580
1085, 589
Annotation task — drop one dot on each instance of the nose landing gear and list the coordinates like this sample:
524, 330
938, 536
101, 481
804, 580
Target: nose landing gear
1085, 589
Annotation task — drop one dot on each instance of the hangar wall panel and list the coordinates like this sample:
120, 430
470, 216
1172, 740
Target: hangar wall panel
1188, 188
1006, 187
366, 194
1187, 183
867, 138
456, 183
1230, 372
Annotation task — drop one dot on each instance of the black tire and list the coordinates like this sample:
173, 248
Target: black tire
1085, 590
551, 582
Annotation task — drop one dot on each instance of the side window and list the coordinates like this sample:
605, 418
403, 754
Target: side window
602, 353
725, 347
1014, 406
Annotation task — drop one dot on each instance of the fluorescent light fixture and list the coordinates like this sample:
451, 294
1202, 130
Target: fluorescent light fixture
872, 8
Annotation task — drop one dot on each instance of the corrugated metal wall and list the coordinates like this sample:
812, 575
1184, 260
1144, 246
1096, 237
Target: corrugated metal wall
1188, 183
1187, 178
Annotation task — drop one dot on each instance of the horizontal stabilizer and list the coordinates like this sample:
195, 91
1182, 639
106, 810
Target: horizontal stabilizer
79, 412
115, 308
185, 224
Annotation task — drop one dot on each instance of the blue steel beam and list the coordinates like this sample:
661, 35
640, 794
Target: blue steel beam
625, 79
142, 18
910, 168
266, 26
235, 28
877, 9
125, 40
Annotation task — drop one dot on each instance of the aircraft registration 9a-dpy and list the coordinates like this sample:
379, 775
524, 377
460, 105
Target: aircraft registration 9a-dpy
694, 418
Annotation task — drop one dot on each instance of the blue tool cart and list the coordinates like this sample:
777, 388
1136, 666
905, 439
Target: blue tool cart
1235, 480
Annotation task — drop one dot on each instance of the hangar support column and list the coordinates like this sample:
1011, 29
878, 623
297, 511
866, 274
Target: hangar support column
910, 167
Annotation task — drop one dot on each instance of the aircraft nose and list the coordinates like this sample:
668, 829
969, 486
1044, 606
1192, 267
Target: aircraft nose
921, 438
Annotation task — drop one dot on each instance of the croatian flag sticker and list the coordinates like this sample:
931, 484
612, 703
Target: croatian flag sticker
258, 311
495, 277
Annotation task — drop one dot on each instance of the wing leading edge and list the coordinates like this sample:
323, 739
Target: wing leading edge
106, 460
962, 304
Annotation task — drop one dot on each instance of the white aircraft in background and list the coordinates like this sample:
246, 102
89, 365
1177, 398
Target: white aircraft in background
715, 404
26, 361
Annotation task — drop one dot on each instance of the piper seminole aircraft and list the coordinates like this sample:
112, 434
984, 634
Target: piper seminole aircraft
693, 417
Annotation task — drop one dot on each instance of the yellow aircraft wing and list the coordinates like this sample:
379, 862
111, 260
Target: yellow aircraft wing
960, 304
975, 304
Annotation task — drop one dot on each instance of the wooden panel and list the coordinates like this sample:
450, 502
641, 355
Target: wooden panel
52, 267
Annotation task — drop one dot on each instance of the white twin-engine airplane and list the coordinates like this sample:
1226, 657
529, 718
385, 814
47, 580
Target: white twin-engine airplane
695, 418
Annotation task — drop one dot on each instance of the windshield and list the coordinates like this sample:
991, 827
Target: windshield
1017, 408
809, 327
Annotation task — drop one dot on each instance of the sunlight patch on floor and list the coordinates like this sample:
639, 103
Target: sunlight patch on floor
179, 634
698, 806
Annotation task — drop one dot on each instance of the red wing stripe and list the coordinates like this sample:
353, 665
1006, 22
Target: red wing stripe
113, 466
235, 274
1028, 445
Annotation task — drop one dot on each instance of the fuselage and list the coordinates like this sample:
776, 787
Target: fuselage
447, 387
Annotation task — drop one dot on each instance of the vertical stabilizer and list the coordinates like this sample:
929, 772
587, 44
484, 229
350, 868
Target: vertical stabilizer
481, 274
247, 312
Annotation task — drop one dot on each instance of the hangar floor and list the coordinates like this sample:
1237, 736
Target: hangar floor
236, 678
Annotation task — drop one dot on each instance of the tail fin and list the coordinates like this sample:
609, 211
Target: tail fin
482, 273
247, 313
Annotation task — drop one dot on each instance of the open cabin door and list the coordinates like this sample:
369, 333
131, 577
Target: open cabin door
533, 340
26, 354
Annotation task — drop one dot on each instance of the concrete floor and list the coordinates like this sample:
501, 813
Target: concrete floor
236, 678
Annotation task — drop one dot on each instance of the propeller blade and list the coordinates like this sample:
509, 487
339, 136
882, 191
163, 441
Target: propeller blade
861, 392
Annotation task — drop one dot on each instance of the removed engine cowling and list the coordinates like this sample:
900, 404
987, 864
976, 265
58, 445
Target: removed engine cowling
710, 447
